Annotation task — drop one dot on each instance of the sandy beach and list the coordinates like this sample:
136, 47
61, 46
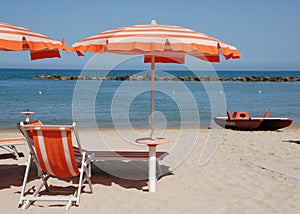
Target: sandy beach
250, 172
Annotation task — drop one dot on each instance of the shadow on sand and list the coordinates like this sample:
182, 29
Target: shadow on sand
11, 156
13, 174
293, 141
130, 174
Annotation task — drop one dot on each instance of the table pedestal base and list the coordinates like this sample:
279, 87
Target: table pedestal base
152, 158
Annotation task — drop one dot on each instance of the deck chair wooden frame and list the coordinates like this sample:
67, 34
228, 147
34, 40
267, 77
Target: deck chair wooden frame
51, 149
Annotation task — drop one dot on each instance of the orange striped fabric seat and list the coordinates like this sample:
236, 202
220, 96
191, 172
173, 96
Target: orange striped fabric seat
55, 151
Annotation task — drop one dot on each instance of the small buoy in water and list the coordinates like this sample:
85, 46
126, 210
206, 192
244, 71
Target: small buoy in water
40, 92
221, 92
259, 91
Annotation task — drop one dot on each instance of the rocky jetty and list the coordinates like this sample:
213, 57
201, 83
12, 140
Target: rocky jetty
179, 78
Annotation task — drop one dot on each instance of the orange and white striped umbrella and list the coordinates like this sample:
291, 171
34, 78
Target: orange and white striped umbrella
167, 43
14, 38
158, 43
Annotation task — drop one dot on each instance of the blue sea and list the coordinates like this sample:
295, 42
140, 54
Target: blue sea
127, 103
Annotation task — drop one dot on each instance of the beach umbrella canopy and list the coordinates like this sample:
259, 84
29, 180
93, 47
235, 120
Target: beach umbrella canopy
14, 38
159, 44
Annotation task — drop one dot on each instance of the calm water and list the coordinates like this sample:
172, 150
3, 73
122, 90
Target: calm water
113, 103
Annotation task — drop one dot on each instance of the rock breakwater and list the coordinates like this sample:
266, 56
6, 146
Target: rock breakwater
179, 78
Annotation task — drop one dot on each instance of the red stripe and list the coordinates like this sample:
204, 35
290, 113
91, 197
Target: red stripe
44, 54
162, 59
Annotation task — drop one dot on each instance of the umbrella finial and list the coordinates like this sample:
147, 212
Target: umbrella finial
153, 22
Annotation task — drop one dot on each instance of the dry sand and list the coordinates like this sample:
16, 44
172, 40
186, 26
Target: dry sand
250, 172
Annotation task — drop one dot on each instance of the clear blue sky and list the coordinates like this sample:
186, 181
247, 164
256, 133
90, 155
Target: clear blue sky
267, 33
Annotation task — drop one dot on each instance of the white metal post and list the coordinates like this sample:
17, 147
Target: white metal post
152, 136
152, 168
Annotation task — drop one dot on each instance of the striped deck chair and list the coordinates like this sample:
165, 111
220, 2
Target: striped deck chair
52, 151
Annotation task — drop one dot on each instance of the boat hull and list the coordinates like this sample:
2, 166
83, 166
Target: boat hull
274, 123
253, 123
238, 124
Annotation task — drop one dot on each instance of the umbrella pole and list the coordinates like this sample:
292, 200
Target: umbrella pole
152, 137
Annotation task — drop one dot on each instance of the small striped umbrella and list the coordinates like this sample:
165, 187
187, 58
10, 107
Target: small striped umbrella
158, 44
14, 38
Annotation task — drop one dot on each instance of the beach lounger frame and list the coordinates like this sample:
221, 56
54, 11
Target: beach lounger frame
9, 144
43, 147
130, 156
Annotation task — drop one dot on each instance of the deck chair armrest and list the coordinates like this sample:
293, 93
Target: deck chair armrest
164, 155
89, 158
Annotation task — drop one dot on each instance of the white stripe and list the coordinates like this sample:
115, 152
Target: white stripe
17, 37
14, 31
37, 39
148, 29
91, 42
154, 33
13, 37
163, 40
225, 45
43, 151
154, 27
14, 28
148, 39
67, 152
